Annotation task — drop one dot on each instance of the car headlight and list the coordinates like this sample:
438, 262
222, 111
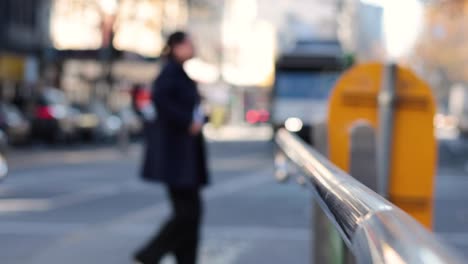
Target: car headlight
293, 124
59, 111
3, 167
113, 123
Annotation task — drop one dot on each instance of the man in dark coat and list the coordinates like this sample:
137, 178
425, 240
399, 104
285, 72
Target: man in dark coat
175, 156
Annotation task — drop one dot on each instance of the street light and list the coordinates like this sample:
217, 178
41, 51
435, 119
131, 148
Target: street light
108, 7
402, 25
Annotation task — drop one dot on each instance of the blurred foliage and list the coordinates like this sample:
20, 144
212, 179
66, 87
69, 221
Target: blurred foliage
441, 53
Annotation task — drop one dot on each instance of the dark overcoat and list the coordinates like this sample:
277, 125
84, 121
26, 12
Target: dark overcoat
173, 156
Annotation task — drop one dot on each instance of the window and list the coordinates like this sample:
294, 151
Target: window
303, 84
22, 12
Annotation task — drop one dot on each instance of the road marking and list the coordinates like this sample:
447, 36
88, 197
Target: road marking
56, 202
86, 195
24, 205
211, 251
37, 160
243, 233
38, 228
161, 209
232, 164
156, 212
225, 188
248, 233
51, 177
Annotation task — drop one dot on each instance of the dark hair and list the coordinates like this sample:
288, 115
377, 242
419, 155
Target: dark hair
173, 40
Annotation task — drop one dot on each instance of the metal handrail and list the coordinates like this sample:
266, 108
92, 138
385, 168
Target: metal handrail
375, 230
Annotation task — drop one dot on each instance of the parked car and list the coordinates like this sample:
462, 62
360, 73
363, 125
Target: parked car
85, 121
131, 121
109, 124
96, 122
3, 161
16, 127
255, 116
54, 118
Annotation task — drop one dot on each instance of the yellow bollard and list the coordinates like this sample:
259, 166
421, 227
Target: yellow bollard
414, 150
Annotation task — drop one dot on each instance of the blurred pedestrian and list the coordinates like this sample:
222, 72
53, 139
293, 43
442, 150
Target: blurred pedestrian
175, 156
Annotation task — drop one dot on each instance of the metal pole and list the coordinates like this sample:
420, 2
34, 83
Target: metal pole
328, 247
386, 101
124, 138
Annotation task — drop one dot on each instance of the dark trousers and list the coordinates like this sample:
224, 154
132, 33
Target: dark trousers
180, 235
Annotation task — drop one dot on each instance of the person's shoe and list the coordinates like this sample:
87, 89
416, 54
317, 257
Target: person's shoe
138, 259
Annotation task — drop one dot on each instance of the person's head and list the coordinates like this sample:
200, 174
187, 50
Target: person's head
179, 47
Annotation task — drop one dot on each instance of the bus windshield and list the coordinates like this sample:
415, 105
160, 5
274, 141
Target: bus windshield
305, 84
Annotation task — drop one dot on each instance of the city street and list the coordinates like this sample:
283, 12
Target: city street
82, 82
87, 205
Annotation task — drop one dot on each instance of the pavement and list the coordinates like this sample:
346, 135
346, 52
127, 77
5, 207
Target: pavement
87, 205
451, 219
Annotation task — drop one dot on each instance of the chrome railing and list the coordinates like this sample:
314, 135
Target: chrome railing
373, 229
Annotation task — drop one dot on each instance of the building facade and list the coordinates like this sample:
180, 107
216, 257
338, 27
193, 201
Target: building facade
24, 25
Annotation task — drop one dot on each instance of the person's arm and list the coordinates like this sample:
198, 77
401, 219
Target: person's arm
166, 104
198, 115
197, 121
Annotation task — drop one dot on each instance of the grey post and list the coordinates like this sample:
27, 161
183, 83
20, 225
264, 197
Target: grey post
386, 100
363, 160
124, 138
327, 246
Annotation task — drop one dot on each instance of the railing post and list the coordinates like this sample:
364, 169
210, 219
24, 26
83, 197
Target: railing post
363, 162
328, 246
373, 228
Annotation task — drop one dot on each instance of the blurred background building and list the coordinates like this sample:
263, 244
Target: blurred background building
97, 51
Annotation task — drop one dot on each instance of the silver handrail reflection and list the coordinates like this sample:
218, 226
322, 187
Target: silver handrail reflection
375, 230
